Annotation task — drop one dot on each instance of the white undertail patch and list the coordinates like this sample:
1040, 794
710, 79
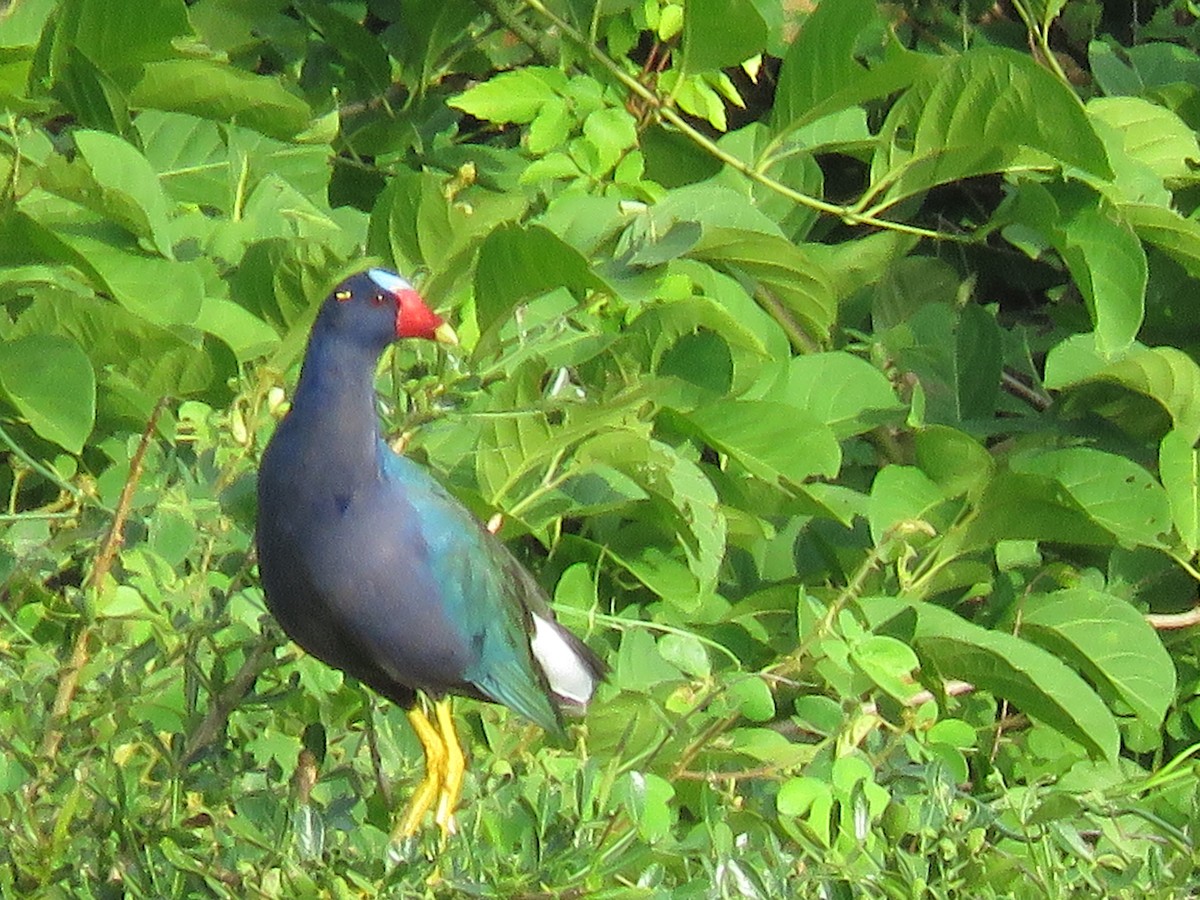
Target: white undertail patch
569, 676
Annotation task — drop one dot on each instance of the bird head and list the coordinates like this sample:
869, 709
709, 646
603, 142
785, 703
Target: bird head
377, 307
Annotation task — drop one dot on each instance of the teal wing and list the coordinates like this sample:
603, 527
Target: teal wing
484, 591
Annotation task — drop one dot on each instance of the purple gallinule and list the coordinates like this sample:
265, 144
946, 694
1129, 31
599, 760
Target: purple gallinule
373, 567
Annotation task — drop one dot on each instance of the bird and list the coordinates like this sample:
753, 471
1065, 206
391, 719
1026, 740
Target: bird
372, 566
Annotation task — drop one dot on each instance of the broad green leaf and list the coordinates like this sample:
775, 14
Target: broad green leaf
360, 51
647, 801
1179, 471
773, 441
1166, 375
189, 156
1108, 264
981, 112
130, 191
51, 383
910, 283
163, 291
889, 663
687, 652
1113, 491
22, 25
953, 459
1104, 256
811, 798
1111, 643
516, 96
116, 37
612, 131
1167, 230
822, 75
433, 28
721, 33
513, 440
1151, 136
518, 263
843, 391
214, 90
783, 271
900, 495
1035, 681
956, 354
446, 229
247, 335
138, 361
752, 698
686, 496
639, 666
1020, 506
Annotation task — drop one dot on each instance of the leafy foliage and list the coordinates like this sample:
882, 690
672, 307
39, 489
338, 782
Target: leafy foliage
832, 364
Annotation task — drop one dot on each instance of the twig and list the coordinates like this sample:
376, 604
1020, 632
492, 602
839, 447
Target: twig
229, 697
68, 679
1168, 621
526, 34
1022, 391
381, 781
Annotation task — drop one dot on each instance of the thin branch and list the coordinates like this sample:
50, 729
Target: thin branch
229, 697
527, 35
1019, 389
1170, 621
666, 114
68, 679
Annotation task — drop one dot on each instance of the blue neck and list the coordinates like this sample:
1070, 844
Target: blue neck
335, 400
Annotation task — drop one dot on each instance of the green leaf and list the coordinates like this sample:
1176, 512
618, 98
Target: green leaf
1035, 681
130, 191
686, 496
1104, 256
843, 391
772, 441
687, 652
1179, 470
516, 96
983, 111
752, 697
1017, 506
1111, 643
1108, 264
1115, 492
953, 459
956, 354
213, 90
721, 33
639, 666
783, 271
519, 263
115, 37
647, 800
1167, 230
1166, 375
1152, 135
900, 494
889, 663
612, 131
163, 363
51, 383
821, 73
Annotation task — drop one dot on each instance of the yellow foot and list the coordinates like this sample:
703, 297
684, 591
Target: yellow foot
444, 768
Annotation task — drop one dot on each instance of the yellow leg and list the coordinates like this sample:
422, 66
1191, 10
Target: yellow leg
433, 784
455, 766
